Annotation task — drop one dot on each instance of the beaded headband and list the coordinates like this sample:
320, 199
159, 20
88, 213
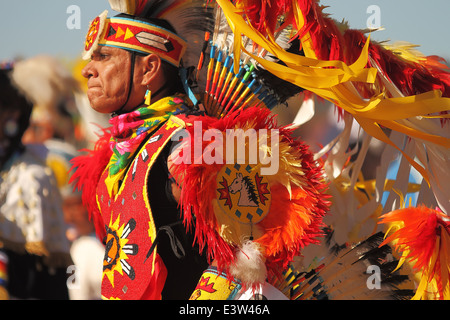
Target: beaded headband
134, 35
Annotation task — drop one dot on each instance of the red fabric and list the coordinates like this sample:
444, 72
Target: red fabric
156, 285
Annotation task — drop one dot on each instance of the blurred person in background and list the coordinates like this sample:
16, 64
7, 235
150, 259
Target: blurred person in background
59, 122
86, 250
32, 228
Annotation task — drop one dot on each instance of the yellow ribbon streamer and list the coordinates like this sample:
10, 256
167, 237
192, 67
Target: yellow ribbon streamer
331, 80
303, 65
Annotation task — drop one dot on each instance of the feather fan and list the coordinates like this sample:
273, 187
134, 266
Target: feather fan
363, 271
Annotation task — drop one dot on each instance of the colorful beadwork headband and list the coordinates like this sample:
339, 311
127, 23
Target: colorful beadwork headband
134, 35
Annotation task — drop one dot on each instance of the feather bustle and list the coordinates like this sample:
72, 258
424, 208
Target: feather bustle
287, 229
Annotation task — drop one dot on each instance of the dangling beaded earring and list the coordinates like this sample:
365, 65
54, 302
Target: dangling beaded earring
148, 97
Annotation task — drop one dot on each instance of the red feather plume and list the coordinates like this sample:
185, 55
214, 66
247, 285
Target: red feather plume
423, 238
87, 170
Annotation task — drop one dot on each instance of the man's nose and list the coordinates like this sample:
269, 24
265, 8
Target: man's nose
88, 71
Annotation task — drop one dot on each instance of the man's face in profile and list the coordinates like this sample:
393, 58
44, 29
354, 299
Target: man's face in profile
108, 75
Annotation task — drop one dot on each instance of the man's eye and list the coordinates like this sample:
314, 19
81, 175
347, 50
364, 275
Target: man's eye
99, 56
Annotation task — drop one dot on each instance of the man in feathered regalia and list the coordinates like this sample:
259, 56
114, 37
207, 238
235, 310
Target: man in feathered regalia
197, 192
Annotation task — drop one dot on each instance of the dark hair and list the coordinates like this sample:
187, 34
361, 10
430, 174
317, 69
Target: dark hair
11, 99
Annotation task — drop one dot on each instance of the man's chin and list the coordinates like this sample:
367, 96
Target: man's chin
101, 106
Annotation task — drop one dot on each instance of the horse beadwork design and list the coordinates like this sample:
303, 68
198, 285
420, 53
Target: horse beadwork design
244, 185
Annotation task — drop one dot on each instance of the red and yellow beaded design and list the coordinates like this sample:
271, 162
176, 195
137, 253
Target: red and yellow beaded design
134, 35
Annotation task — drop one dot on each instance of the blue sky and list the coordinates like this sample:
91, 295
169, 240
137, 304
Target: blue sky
31, 27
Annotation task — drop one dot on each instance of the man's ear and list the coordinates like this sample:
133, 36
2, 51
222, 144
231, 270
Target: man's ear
152, 69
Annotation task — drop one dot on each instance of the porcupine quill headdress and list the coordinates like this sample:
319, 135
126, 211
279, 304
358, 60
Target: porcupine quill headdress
255, 55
